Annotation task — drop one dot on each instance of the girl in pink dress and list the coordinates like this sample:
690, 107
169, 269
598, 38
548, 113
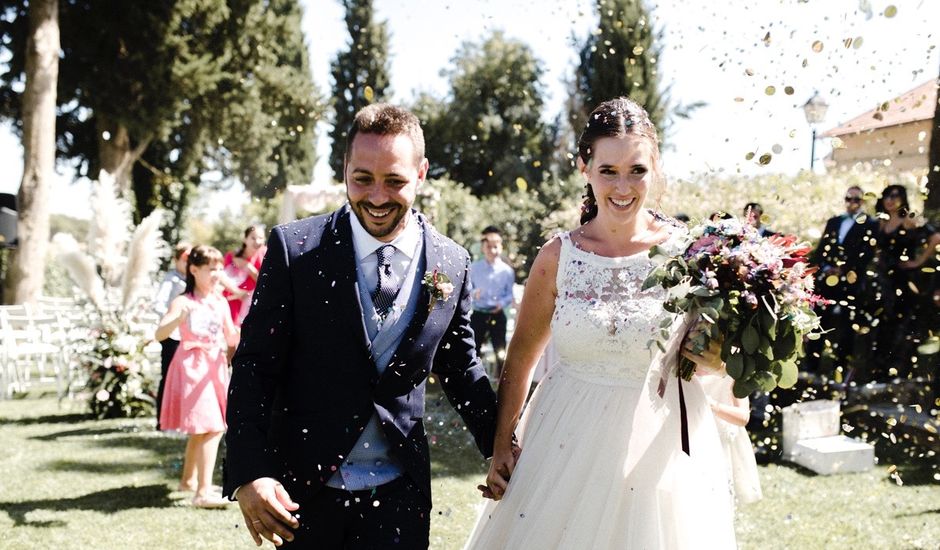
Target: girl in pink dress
197, 380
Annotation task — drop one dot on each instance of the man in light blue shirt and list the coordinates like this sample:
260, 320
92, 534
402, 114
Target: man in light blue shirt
492, 281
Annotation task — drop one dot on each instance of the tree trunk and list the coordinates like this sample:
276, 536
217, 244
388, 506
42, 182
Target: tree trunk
24, 281
116, 155
932, 206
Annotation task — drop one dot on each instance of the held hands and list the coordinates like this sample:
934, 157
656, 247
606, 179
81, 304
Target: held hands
267, 508
501, 467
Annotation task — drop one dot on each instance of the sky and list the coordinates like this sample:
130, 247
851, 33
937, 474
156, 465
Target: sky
740, 58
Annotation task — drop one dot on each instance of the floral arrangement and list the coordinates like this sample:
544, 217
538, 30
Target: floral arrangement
114, 355
753, 294
114, 273
439, 286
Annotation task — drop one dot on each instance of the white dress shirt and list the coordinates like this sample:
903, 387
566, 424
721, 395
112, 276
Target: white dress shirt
365, 245
847, 223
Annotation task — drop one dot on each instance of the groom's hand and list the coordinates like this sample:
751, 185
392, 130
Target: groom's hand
267, 508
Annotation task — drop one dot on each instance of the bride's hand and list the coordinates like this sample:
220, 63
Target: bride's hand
707, 359
501, 468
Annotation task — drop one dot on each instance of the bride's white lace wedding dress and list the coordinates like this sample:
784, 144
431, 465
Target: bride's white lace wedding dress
602, 465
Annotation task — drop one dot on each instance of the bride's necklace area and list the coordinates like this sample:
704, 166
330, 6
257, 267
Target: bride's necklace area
636, 243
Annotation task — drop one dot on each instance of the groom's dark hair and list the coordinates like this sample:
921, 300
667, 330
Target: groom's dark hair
386, 120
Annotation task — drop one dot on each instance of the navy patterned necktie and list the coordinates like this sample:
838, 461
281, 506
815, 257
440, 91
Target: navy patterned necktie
385, 290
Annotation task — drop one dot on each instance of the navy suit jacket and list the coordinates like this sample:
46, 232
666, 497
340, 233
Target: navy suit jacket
854, 254
304, 384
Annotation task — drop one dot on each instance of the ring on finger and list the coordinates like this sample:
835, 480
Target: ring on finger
255, 521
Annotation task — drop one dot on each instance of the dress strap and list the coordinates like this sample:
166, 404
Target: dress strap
563, 258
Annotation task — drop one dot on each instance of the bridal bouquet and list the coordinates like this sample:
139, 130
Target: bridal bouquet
755, 294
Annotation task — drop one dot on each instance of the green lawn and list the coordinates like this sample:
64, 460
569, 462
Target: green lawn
70, 482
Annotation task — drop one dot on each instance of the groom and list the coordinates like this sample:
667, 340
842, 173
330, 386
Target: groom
353, 310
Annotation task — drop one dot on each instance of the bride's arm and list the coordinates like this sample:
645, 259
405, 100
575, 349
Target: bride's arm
528, 342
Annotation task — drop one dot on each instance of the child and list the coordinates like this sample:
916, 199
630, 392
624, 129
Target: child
197, 381
731, 415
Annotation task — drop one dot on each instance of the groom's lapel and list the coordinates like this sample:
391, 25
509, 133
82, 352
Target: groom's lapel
342, 254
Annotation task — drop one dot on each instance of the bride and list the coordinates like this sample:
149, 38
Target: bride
602, 464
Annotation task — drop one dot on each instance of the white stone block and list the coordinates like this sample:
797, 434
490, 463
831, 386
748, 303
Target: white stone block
807, 420
836, 454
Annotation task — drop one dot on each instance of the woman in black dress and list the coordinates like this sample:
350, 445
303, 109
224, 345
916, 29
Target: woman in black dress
898, 298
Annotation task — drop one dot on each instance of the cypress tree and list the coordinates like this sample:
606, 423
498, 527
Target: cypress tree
360, 74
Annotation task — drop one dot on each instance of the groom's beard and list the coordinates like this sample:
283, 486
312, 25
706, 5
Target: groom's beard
381, 227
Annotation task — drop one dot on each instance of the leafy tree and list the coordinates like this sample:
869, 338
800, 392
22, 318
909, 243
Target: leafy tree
360, 74
619, 58
488, 133
212, 85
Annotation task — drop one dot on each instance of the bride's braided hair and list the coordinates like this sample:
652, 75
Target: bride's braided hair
613, 118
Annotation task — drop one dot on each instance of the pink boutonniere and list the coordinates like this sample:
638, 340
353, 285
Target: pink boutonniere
439, 286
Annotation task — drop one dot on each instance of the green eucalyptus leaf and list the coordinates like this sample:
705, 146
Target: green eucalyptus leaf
744, 387
789, 373
734, 364
750, 339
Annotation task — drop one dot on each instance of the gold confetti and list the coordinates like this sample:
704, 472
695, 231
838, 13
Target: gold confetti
765, 159
638, 50
521, 184
847, 43
749, 156
832, 280
857, 43
770, 90
818, 46
891, 11
851, 277
788, 90
368, 93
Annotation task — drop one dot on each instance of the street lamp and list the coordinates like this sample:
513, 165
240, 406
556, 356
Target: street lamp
815, 111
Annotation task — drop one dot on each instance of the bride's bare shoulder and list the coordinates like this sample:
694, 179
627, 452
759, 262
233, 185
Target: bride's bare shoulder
552, 247
546, 262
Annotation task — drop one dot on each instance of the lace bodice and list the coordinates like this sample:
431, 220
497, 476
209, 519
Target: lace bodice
603, 321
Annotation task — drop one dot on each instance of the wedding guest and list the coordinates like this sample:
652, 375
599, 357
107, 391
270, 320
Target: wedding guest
172, 285
731, 416
492, 280
241, 268
684, 218
602, 464
197, 380
842, 256
923, 268
753, 213
720, 215
896, 296
353, 310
